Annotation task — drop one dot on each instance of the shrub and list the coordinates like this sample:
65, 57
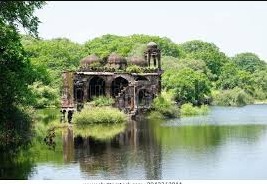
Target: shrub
99, 115
134, 69
165, 105
232, 97
189, 110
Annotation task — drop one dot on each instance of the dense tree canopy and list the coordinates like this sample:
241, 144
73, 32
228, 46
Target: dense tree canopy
123, 45
249, 62
15, 68
20, 13
188, 85
202, 61
208, 52
16, 73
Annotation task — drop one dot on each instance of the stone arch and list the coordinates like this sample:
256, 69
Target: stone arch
96, 87
117, 85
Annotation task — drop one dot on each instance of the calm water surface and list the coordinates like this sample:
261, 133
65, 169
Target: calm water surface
229, 143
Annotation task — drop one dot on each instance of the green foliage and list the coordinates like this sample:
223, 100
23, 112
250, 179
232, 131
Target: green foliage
138, 50
232, 97
15, 129
165, 105
21, 13
188, 85
124, 45
249, 62
15, 68
208, 52
134, 69
232, 77
45, 96
188, 109
99, 115
102, 101
56, 55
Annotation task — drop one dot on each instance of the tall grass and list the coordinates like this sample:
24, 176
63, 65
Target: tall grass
189, 110
99, 115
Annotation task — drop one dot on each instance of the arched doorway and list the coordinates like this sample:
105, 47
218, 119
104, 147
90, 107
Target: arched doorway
117, 85
96, 87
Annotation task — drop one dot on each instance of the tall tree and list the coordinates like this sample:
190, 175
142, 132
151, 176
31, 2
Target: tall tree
249, 62
15, 68
208, 52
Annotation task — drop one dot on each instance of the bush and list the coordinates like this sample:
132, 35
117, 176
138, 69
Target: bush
165, 105
189, 110
134, 69
232, 97
99, 115
45, 95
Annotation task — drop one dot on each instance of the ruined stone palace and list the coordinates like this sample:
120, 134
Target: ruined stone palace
115, 76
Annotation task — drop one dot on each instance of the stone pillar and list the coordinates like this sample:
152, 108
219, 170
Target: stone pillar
85, 90
108, 83
159, 61
149, 57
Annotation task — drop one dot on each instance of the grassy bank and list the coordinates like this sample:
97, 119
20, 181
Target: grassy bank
165, 105
99, 115
189, 110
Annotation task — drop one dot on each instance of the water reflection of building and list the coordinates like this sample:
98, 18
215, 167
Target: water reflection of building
134, 149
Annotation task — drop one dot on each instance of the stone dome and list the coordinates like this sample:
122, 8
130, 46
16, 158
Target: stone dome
138, 60
89, 60
152, 45
116, 59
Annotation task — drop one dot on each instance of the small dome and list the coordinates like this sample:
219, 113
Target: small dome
116, 59
138, 60
89, 60
152, 45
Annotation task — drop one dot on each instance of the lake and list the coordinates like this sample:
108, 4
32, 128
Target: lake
228, 143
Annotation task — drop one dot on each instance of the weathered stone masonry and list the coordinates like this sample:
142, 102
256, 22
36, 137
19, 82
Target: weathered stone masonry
132, 92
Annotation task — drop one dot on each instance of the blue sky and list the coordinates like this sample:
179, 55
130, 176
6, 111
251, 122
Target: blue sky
233, 26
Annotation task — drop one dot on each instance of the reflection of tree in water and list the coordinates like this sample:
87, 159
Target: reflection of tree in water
135, 147
15, 138
201, 137
16, 167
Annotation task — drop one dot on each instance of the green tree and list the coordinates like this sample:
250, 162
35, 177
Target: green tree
21, 13
249, 62
55, 55
16, 72
232, 77
208, 52
124, 45
188, 85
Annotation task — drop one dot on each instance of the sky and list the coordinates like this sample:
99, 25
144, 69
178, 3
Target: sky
234, 27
